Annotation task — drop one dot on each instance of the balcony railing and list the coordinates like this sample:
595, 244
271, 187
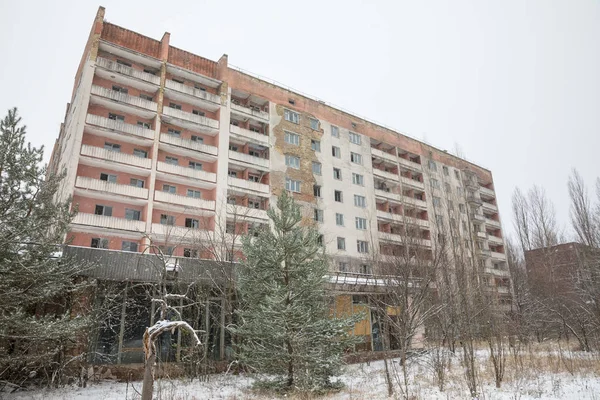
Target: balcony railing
185, 201
187, 172
109, 222
119, 126
389, 195
402, 219
487, 192
493, 223
477, 217
385, 174
188, 144
103, 154
125, 70
123, 98
489, 206
481, 235
415, 202
383, 155
247, 158
242, 212
110, 187
248, 185
255, 136
498, 256
409, 240
188, 116
250, 111
192, 91
495, 240
180, 232
412, 183
496, 271
410, 164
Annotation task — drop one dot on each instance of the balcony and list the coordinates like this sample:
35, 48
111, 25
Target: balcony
477, 217
125, 70
474, 199
412, 183
110, 187
179, 233
248, 185
166, 197
124, 98
108, 155
498, 256
248, 134
398, 198
402, 219
489, 207
383, 155
484, 252
186, 172
495, 240
487, 192
495, 271
242, 212
109, 222
204, 122
482, 235
410, 164
502, 289
492, 223
251, 112
392, 237
390, 176
192, 91
248, 159
188, 144
118, 126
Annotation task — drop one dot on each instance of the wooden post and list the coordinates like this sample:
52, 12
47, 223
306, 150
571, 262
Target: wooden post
222, 344
122, 325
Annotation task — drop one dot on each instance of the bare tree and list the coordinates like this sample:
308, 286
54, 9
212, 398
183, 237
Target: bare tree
582, 216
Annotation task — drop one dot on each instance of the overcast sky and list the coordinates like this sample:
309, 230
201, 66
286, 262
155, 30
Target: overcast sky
516, 84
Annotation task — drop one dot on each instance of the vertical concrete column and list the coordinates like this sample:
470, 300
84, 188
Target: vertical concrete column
164, 56
223, 160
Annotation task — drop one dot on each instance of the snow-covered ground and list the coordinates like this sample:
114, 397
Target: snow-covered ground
544, 375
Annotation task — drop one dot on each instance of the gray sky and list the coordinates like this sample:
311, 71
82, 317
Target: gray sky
515, 83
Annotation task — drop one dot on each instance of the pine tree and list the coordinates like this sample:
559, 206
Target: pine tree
35, 325
285, 323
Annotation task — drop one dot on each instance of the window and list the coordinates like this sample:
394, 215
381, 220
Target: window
435, 184
171, 160
432, 165
342, 266
317, 190
233, 147
292, 101
136, 182
437, 202
129, 246
315, 145
254, 178
175, 106
456, 174
125, 63
314, 124
318, 215
190, 253
445, 170
292, 138
196, 194
365, 269
195, 165
120, 89
112, 147
356, 158
99, 243
336, 152
339, 219
116, 117
360, 201
291, 116
192, 223
174, 132
358, 179
448, 187
362, 246
108, 177
341, 243
197, 139
167, 219
337, 195
198, 112
132, 215
254, 204
169, 188
450, 205
292, 161
144, 125
292, 185
354, 137
439, 219
361, 223
461, 207
140, 153
320, 240
337, 174
335, 131
103, 210
146, 97
316, 168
